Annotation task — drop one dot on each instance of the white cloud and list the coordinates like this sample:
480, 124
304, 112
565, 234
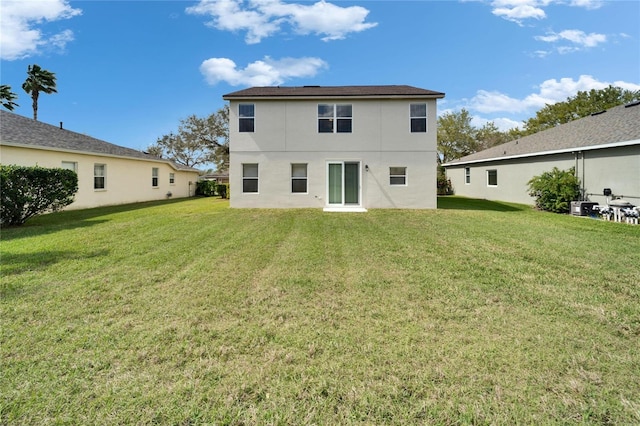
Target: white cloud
580, 40
263, 18
267, 72
520, 10
550, 92
20, 36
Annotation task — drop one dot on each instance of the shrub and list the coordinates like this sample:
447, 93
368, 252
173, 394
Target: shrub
444, 184
30, 191
223, 190
555, 190
206, 188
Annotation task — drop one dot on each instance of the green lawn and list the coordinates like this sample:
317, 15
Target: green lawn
188, 312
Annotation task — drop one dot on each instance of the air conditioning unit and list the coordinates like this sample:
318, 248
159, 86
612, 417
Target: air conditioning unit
582, 208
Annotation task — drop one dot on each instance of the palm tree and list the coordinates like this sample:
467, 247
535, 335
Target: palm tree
38, 80
7, 97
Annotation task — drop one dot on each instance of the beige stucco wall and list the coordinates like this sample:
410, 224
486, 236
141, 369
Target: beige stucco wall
286, 132
127, 180
616, 168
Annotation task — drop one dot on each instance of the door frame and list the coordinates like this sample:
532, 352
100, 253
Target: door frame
359, 175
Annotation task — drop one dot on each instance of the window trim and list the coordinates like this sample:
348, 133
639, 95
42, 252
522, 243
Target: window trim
172, 178
246, 178
467, 175
103, 176
247, 117
334, 118
420, 117
300, 178
489, 172
404, 176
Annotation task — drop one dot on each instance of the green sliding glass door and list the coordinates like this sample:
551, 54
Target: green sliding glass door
344, 183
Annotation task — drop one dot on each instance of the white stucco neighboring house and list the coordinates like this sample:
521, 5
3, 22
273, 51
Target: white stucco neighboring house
342, 148
604, 149
108, 174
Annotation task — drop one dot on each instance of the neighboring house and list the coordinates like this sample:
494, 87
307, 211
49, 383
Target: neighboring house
604, 148
107, 174
218, 177
345, 148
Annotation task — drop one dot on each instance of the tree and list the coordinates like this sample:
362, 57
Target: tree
38, 80
581, 105
7, 97
456, 136
199, 141
489, 136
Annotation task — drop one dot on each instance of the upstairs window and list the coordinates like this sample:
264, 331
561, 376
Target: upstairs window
246, 112
418, 118
154, 176
335, 118
398, 176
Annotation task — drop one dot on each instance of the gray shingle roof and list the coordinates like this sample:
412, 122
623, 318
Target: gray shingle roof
334, 91
616, 125
22, 131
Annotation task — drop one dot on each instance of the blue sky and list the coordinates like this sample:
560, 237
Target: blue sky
129, 71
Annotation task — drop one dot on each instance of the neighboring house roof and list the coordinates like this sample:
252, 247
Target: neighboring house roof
618, 126
16, 130
333, 92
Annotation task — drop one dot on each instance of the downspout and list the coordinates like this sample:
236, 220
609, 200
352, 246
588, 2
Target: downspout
583, 190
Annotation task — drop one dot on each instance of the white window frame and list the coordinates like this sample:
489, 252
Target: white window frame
467, 175
489, 172
304, 178
247, 117
103, 176
419, 117
248, 178
155, 177
70, 165
172, 178
334, 117
396, 175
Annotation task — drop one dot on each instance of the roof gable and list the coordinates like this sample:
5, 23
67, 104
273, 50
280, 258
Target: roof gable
22, 131
392, 91
616, 125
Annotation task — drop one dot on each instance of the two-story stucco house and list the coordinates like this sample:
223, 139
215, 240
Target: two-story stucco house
341, 148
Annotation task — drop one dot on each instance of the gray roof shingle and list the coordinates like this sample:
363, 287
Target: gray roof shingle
22, 131
334, 91
616, 125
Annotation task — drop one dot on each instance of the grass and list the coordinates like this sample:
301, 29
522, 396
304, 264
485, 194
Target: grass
188, 312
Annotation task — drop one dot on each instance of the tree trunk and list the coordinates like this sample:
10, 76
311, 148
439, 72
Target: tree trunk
34, 96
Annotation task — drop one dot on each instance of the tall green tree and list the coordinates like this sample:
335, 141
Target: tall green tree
581, 105
456, 136
198, 141
38, 80
7, 97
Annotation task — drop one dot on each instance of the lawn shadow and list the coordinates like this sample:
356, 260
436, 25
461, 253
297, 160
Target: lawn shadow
71, 219
462, 203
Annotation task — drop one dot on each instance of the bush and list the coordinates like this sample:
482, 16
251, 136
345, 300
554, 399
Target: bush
444, 184
223, 190
555, 190
30, 191
206, 188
